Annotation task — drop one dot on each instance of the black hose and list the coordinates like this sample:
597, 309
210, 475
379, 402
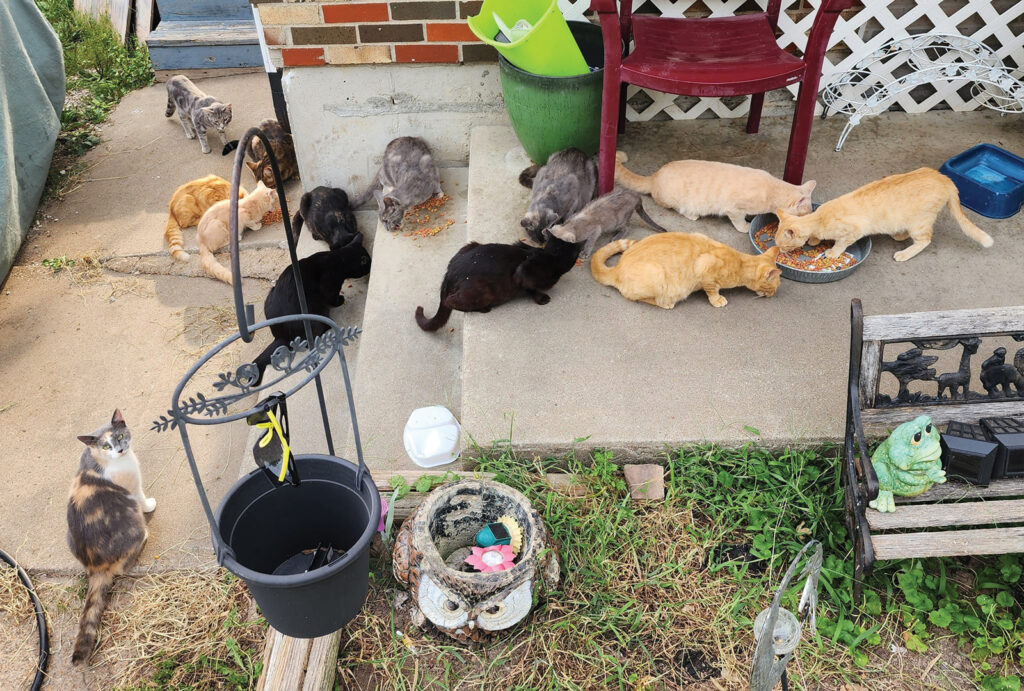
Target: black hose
44, 636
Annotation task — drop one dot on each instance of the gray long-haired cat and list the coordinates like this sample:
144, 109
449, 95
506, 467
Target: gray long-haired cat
197, 111
106, 529
561, 188
606, 214
407, 177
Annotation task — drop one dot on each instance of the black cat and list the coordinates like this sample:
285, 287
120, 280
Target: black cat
327, 212
322, 274
480, 277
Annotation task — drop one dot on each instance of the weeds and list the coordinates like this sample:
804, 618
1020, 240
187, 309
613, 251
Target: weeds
99, 70
663, 595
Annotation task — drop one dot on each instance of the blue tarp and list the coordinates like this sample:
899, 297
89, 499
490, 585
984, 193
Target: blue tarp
31, 99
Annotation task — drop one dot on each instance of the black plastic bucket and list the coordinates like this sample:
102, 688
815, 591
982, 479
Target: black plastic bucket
266, 526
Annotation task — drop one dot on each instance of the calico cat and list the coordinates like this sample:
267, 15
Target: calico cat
188, 204
322, 274
561, 188
197, 111
106, 529
407, 177
282, 146
710, 188
327, 213
661, 270
606, 214
480, 277
903, 206
214, 228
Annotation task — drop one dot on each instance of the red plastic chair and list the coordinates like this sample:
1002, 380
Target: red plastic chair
716, 56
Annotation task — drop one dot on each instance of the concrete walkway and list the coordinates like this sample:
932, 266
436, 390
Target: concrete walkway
77, 344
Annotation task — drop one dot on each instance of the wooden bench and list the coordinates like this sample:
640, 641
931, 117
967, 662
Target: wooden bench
951, 519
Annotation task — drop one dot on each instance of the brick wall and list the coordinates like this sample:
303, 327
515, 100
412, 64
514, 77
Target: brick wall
349, 33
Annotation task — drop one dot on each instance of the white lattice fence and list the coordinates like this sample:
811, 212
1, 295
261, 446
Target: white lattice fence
999, 24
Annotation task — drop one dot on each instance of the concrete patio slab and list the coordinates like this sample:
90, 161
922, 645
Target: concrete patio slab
635, 378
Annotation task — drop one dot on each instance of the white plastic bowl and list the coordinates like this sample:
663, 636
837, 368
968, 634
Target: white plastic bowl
432, 436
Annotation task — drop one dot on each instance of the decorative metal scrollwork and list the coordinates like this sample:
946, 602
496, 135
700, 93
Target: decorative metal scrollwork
999, 378
287, 360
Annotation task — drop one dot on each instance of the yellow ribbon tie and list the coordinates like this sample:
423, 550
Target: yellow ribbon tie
274, 426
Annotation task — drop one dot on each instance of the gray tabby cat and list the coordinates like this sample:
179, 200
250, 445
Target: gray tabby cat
106, 529
561, 188
197, 111
407, 177
605, 214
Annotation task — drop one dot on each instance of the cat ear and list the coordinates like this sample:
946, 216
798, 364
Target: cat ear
772, 253
268, 171
808, 187
379, 196
357, 239
773, 274
118, 418
781, 213
253, 165
88, 439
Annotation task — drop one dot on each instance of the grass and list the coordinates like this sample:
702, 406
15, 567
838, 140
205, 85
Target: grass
663, 595
99, 70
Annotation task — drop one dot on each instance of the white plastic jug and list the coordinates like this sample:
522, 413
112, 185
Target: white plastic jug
432, 436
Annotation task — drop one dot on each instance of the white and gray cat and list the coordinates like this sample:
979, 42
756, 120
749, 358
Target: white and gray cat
407, 177
561, 188
606, 214
106, 528
197, 111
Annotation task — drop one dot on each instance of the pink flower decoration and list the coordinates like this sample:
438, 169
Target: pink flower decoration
383, 514
493, 558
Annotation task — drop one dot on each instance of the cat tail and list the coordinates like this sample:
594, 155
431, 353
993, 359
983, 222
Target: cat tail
368, 192
212, 267
443, 312
528, 175
229, 147
647, 219
629, 179
263, 359
970, 230
175, 243
604, 274
95, 602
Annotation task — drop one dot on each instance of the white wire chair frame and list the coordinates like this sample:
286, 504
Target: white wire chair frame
870, 88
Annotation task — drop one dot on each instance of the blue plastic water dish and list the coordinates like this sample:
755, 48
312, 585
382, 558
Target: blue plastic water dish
990, 180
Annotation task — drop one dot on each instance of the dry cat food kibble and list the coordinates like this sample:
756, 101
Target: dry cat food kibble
272, 216
806, 258
423, 215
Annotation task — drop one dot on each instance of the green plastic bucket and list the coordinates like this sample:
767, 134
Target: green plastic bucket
549, 114
547, 49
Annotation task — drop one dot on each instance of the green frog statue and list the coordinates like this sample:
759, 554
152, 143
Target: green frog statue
907, 463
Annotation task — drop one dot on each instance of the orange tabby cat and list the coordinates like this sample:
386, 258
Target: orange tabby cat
710, 188
903, 206
214, 231
663, 269
188, 204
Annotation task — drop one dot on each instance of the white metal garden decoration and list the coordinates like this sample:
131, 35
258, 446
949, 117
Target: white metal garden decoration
872, 86
777, 630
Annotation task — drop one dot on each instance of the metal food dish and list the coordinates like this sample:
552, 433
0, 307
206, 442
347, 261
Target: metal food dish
859, 250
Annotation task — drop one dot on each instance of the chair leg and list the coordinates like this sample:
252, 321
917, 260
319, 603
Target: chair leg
754, 117
609, 127
800, 134
622, 109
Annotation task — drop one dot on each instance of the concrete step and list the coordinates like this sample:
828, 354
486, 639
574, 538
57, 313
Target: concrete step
207, 43
401, 367
594, 370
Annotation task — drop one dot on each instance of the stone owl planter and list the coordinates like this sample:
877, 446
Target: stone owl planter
459, 601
